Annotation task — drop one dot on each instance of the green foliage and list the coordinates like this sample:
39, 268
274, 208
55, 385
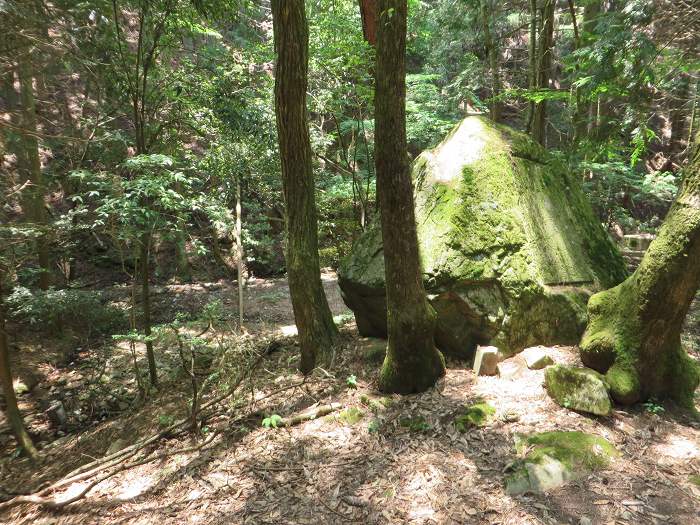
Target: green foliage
653, 407
428, 118
351, 415
351, 382
165, 420
272, 421
415, 424
84, 313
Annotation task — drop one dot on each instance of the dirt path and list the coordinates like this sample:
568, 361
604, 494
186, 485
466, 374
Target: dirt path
361, 465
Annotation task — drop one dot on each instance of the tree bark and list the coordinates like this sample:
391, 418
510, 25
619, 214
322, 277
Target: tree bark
24, 441
368, 12
544, 70
30, 166
412, 362
633, 333
239, 252
317, 331
532, 62
679, 113
145, 255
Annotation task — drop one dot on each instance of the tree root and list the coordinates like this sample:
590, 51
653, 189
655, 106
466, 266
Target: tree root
309, 415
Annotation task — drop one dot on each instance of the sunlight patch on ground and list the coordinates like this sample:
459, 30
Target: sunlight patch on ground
288, 330
678, 447
135, 487
465, 147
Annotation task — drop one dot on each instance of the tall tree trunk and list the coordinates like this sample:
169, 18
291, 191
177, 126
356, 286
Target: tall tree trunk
633, 333
33, 195
317, 331
679, 112
11, 409
544, 70
532, 62
412, 363
145, 259
368, 12
487, 13
239, 252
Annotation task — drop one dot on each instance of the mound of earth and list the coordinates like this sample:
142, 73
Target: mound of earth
510, 247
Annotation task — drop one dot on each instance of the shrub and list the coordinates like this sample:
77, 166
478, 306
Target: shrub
84, 312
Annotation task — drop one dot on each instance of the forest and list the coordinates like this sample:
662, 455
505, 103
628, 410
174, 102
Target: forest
350, 261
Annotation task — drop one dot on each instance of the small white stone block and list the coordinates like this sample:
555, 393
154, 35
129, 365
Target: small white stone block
486, 361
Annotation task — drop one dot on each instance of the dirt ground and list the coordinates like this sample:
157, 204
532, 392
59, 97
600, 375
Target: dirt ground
359, 464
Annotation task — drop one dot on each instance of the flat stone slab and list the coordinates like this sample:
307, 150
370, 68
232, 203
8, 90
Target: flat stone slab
486, 361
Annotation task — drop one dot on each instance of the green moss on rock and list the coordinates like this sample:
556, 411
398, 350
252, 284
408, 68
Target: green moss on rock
553, 458
580, 389
510, 248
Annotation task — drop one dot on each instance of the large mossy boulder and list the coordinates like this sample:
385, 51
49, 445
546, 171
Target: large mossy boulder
510, 248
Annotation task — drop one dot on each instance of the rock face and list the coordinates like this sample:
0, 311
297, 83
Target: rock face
509, 245
579, 389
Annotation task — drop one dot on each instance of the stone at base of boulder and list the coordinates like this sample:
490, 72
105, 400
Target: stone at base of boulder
486, 361
580, 389
539, 477
536, 357
512, 368
553, 458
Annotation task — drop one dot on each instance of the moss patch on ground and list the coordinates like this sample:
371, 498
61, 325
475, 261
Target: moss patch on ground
477, 415
351, 416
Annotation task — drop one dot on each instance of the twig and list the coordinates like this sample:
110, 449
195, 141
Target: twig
92, 468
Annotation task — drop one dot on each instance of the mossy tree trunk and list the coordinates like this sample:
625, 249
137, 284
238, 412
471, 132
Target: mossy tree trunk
30, 166
412, 363
544, 69
24, 441
317, 331
633, 332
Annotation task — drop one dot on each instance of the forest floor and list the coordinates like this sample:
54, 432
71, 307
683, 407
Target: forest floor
371, 460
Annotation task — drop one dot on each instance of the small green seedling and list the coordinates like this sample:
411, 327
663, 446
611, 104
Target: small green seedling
272, 422
351, 381
165, 420
653, 407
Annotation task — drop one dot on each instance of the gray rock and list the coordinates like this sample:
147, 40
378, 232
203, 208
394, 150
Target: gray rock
486, 361
536, 357
512, 368
579, 389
